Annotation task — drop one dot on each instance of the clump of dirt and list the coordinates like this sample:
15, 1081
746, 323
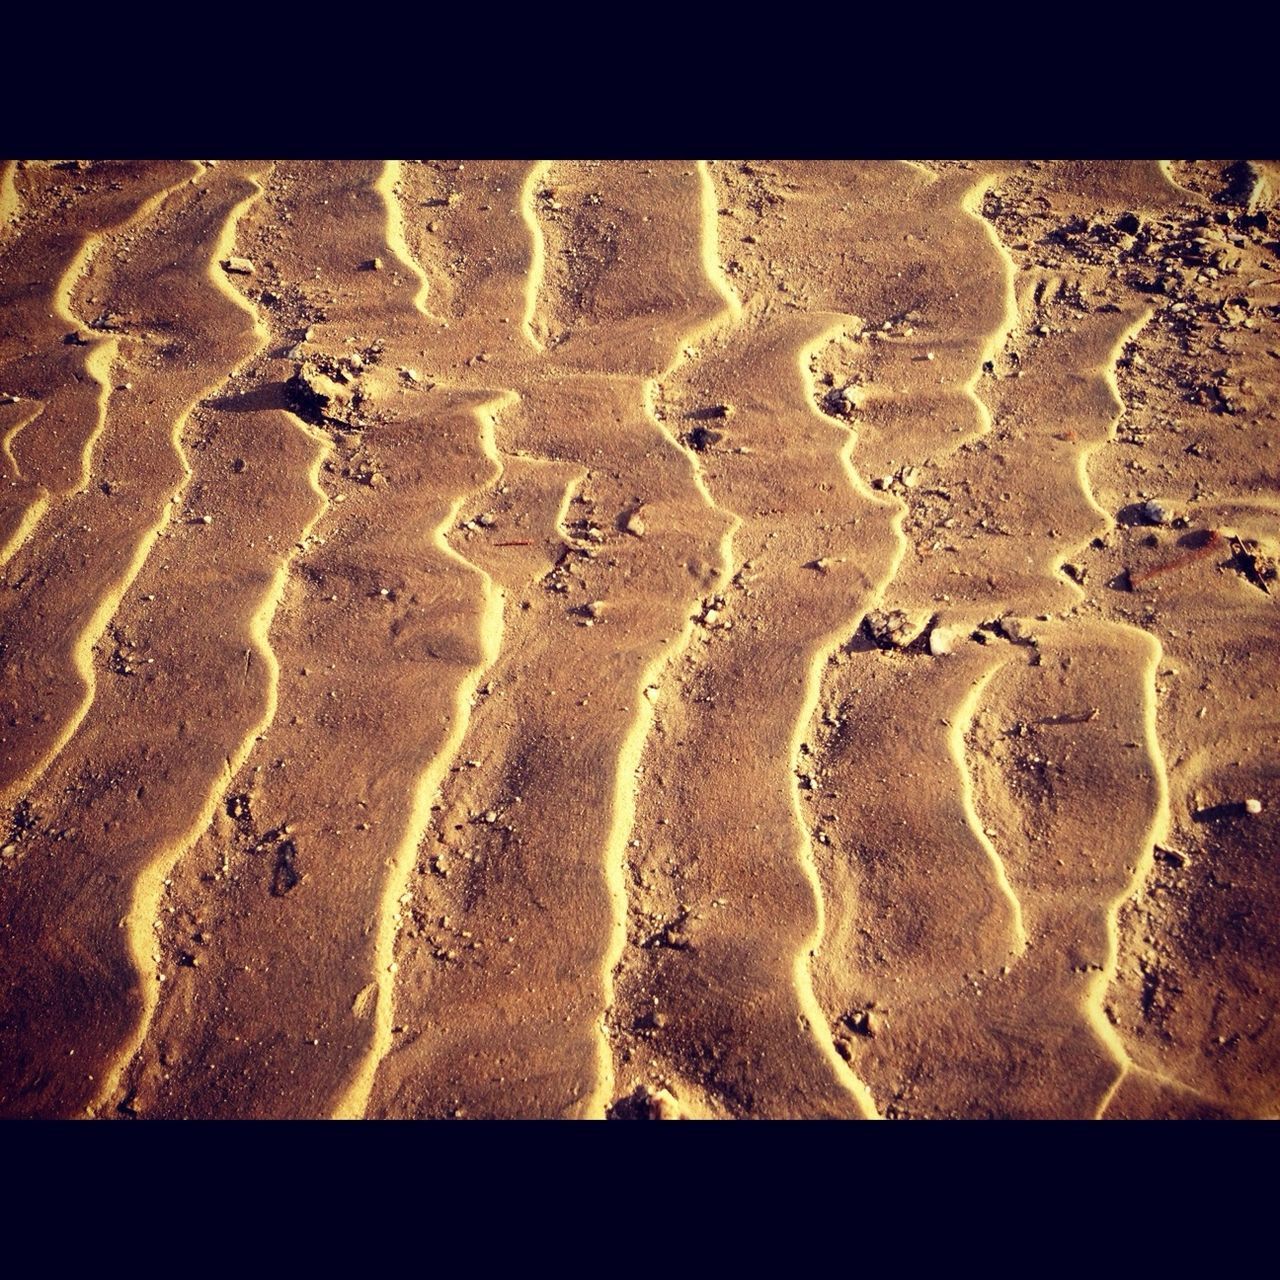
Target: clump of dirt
326, 390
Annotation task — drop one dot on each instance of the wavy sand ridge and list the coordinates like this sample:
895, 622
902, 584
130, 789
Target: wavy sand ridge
1193, 995
10, 201
908, 393
288, 903
178, 330
1075, 720
1081, 731
1194, 1032
173, 712
49, 355
575, 639
1037, 1026
471, 228
506, 972
717, 1004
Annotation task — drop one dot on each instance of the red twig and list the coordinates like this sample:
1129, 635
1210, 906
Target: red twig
1215, 540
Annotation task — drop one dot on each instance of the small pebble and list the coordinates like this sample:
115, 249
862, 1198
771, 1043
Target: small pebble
1253, 806
663, 1105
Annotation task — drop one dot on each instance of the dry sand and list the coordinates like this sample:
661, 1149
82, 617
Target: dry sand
511, 639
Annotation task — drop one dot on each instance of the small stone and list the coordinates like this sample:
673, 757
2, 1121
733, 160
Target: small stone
487, 520
635, 524
373, 264
663, 1105
1156, 513
491, 816
237, 266
1253, 806
864, 1022
1017, 629
941, 641
206, 519
893, 629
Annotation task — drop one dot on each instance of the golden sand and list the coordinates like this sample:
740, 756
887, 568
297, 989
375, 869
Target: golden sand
656, 640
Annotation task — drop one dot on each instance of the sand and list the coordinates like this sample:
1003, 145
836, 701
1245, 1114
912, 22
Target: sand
639, 640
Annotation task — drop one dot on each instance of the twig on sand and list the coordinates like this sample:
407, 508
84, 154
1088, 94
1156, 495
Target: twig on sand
1211, 544
1077, 717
